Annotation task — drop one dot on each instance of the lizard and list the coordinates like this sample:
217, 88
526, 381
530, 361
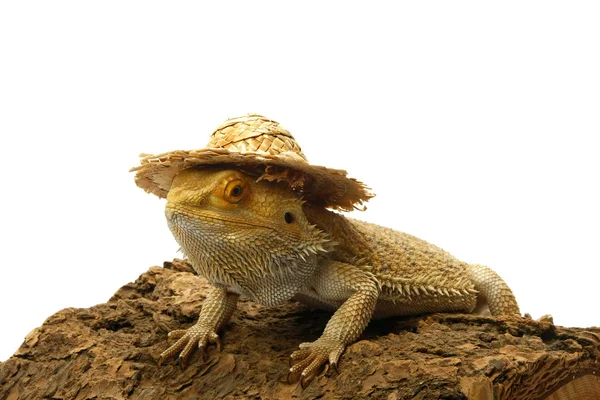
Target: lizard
257, 238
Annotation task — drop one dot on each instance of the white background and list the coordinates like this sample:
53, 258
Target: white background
475, 124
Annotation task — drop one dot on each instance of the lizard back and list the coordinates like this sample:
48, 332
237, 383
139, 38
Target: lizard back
415, 276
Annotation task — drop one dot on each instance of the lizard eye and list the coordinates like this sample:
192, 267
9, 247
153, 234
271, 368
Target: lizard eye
234, 191
237, 191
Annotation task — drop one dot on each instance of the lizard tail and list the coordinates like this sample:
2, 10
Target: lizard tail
493, 291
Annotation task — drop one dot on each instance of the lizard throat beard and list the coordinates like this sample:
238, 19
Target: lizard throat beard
255, 262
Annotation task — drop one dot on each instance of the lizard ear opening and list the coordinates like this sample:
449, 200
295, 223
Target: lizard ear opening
289, 217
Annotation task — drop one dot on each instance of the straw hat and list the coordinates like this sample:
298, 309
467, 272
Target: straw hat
261, 146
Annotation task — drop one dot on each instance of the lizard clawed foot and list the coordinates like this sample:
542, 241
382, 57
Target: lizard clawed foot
186, 340
312, 358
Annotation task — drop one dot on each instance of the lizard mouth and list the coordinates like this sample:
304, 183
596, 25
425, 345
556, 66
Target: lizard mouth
178, 214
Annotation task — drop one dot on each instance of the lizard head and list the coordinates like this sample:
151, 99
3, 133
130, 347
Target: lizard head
251, 236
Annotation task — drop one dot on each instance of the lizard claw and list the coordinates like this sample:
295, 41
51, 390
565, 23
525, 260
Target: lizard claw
217, 341
335, 367
203, 353
185, 342
160, 360
290, 378
306, 380
312, 357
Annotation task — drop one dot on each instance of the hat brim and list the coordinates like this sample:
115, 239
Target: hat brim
331, 188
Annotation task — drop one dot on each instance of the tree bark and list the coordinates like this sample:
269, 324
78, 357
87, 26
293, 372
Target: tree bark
109, 351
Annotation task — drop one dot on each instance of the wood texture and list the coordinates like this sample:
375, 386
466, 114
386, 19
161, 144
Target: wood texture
110, 351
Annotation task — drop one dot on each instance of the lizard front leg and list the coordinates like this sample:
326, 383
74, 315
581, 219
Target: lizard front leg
216, 311
357, 291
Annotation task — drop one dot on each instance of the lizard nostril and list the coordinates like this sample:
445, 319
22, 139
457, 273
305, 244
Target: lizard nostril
289, 218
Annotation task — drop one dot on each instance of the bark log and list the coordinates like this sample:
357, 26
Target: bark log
109, 351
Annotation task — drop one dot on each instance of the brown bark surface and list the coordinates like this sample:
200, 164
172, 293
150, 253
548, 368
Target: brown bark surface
109, 351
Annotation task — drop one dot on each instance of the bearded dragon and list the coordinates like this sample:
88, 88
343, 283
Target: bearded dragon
259, 239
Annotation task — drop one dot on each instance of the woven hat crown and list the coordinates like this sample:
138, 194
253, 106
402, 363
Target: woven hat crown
261, 146
256, 134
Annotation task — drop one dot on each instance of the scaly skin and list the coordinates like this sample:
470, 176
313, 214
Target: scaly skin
260, 240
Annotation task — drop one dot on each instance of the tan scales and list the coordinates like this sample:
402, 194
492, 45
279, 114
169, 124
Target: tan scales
255, 219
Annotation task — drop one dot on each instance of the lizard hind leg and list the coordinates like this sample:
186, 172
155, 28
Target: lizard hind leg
494, 293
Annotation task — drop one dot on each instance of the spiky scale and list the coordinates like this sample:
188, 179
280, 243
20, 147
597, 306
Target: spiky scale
323, 257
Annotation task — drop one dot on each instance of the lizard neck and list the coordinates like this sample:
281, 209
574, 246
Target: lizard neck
351, 243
